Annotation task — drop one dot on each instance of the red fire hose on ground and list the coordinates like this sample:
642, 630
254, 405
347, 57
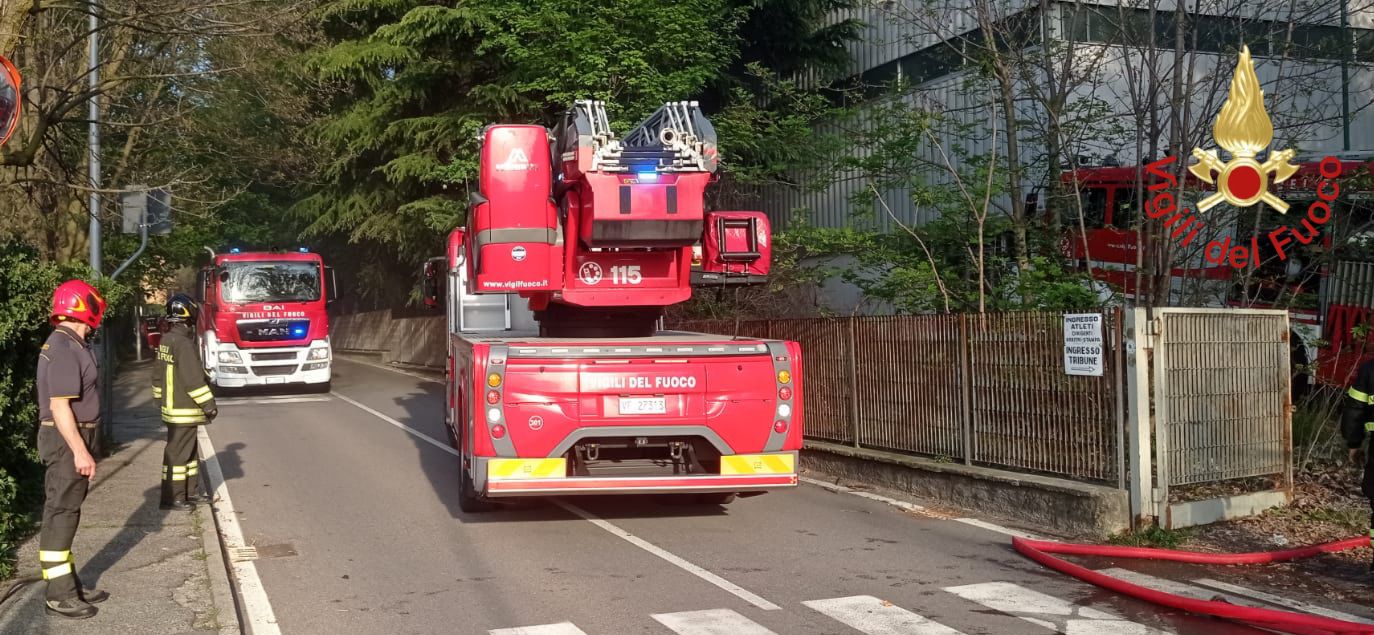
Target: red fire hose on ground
1273, 619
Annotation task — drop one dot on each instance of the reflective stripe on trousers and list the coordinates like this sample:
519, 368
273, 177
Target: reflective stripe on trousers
56, 563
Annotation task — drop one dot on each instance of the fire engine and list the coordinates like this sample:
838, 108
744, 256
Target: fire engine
1320, 289
263, 318
560, 379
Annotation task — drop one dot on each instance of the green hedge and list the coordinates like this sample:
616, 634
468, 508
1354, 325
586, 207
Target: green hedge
26, 286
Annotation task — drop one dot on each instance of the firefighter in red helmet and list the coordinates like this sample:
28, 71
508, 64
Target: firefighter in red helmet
69, 413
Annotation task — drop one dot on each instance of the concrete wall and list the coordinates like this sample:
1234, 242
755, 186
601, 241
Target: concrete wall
417, 341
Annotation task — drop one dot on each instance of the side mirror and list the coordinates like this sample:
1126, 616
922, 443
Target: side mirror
432, 281
333, 290
11, 99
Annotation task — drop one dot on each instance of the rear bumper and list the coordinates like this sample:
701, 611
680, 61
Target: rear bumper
639, 485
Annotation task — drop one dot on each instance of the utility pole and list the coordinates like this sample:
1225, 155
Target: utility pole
1346, 51
93, 134
93, 204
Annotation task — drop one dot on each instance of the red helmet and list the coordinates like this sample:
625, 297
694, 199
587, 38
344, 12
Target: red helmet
75, 300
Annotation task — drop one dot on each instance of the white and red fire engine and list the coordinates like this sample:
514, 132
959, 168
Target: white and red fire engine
560, 380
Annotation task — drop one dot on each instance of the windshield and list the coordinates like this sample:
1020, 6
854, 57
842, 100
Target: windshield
252, 282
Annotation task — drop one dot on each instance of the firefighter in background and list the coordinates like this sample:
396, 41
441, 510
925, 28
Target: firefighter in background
69, 413
1356, 423
187, 403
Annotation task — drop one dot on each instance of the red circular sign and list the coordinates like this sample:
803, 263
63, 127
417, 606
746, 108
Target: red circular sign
1244, 182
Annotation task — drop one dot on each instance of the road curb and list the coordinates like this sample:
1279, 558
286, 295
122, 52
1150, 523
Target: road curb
218, 573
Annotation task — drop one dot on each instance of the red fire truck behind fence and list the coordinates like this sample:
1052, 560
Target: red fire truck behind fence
1327, 285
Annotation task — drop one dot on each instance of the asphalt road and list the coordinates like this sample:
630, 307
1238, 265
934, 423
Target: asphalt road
357, 529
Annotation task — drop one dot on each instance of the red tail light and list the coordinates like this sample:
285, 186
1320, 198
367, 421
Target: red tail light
493, 396
498, 431
784, 393
780, 427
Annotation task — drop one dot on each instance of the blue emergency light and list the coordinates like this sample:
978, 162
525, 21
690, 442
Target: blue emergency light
298, 331
305, 250
234, 250
647, 177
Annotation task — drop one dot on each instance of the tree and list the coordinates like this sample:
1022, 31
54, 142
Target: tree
164, 63
413, 84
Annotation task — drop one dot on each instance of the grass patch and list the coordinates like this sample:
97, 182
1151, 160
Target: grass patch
1154, 536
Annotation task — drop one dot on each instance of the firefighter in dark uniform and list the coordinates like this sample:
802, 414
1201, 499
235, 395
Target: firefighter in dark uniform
186, 401
69, 413
1356, 423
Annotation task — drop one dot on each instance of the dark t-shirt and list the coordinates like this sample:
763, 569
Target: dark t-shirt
66, 368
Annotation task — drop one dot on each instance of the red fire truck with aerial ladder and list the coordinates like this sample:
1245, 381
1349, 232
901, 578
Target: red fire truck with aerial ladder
560, 380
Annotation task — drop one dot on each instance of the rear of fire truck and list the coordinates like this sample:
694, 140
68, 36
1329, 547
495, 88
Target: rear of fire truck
559, 379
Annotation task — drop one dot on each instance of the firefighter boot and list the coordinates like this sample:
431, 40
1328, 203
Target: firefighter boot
174, 499
179, 504
193, 489
90, 596
74, 608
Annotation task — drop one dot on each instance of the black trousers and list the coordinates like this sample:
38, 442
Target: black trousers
63, 493
180, 465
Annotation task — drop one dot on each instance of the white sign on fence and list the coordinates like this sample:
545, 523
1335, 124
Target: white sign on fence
1083, 344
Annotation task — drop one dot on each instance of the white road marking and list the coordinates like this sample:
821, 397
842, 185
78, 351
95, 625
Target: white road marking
713, 622
398, 371
255, 608
562, 628
1170, 586
983, 524
266, 401
625, 535
876, 617
676, 561
1282, 601
419, 435
912, 507
1048, 611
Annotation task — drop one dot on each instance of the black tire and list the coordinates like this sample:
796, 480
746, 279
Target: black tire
468, 499
716, 499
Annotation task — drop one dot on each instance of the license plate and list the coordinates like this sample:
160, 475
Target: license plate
643, 405
276, 380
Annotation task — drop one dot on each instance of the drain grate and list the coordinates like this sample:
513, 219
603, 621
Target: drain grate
243, 554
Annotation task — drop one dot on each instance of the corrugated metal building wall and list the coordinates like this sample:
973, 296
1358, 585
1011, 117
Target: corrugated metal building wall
1303, 99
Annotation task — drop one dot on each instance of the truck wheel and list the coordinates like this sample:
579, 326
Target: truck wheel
468, 499
716, 499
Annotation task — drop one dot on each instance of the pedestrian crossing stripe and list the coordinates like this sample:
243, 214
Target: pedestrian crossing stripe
870, 615
784, 463
713, 622
562, 628
517, 469
1045, 610
873, 616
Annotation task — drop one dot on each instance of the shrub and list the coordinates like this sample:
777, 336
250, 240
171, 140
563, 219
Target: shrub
25, 292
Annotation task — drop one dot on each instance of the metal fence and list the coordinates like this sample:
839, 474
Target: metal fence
1222, 395
983, 389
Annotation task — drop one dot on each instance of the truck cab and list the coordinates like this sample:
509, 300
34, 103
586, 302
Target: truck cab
264, 319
